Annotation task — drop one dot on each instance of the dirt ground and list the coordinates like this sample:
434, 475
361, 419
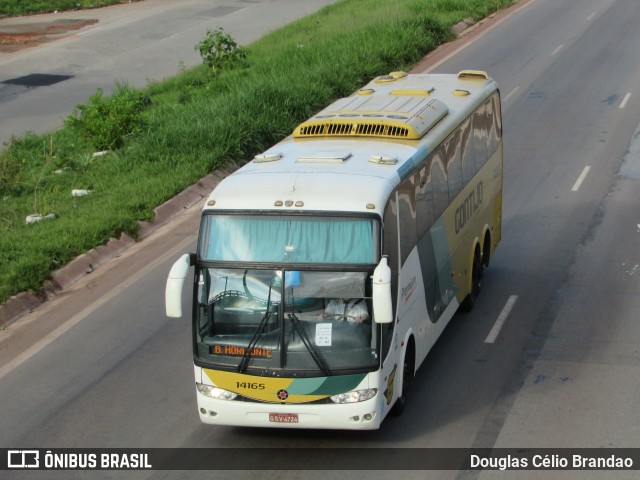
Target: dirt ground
24, 35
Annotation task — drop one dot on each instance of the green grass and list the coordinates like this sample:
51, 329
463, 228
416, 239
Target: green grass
14, 8
198, 121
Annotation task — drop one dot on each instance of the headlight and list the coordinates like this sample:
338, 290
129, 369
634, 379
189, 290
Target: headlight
355, 396
215, 392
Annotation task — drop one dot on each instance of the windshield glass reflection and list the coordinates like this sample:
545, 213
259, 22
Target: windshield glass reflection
276, 320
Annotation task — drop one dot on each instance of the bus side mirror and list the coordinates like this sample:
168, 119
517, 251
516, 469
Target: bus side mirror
382, 306
175, 282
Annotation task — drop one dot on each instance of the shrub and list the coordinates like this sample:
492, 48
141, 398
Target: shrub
106, 121
219, 50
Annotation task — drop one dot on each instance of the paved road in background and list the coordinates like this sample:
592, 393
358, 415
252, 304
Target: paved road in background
564, 369
134, 43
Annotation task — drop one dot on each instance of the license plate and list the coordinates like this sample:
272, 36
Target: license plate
283, 417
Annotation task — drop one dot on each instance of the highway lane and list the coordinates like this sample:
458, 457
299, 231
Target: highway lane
566, 116
561, 372
134, 43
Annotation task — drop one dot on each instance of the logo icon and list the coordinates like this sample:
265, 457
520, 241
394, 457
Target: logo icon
23, 459
282, 395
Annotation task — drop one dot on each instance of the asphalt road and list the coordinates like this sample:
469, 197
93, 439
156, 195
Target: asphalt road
134, 43
563, 369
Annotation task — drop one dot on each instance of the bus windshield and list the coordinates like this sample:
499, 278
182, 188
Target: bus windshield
288, 239
264, 321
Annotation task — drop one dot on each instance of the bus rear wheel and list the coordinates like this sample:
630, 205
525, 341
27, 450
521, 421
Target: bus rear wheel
476, 283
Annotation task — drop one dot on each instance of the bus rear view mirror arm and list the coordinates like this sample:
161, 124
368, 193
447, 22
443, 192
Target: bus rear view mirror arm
382, 306
175, 283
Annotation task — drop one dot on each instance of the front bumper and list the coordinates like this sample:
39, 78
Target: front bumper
365, 415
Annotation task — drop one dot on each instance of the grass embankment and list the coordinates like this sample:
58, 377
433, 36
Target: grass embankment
15, 8
198, 121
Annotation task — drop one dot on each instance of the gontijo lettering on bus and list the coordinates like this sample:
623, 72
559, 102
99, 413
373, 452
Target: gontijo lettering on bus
469, 205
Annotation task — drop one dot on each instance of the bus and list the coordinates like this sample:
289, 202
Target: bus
327, 267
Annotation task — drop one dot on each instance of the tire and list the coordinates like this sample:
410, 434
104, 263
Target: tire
476, 283
407, 377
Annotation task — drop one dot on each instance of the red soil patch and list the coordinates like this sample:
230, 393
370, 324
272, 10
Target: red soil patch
25, 35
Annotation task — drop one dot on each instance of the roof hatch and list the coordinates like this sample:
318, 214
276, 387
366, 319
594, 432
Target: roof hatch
325, 157
473, 74
267, 157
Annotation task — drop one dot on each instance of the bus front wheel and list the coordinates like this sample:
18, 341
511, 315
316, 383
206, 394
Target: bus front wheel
407, 377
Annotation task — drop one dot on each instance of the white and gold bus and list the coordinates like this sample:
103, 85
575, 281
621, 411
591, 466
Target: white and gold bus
328, 266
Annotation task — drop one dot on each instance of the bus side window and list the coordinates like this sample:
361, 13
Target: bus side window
495, 126
407, 212
468, 157
424, 201
454, 164
439, 179
481, 127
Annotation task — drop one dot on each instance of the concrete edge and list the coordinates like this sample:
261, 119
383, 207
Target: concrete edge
460, 27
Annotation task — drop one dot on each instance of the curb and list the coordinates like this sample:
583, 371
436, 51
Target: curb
83, 265
460, 27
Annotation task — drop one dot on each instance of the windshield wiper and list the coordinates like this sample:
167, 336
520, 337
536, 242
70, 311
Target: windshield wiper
248, 353
246, 288
311, 348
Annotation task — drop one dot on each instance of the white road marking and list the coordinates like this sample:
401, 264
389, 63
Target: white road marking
62, 329
495, 331
555, 52
583, 175
511, 93
591, 16
625, 100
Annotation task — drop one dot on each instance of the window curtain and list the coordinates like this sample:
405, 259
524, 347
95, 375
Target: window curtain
289, 240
